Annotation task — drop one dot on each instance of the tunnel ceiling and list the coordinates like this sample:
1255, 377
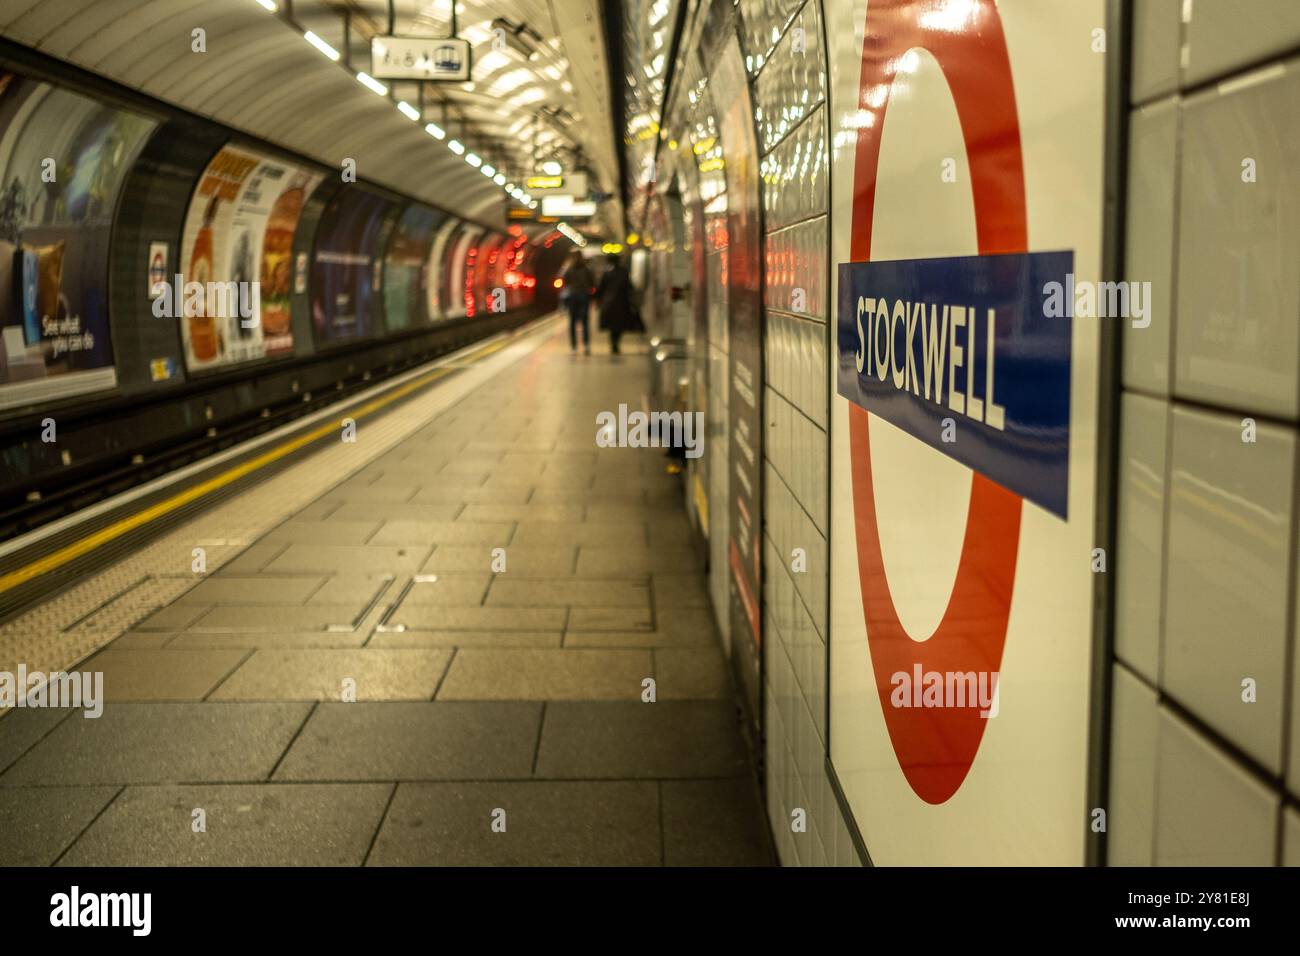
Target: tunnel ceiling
260, 76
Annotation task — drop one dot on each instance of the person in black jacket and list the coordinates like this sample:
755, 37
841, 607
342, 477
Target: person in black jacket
576, 294
614, 294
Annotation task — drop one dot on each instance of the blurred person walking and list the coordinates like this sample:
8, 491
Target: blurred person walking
615, 295
576, 296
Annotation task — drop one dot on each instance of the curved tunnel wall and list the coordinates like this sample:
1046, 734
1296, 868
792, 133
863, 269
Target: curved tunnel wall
106, 202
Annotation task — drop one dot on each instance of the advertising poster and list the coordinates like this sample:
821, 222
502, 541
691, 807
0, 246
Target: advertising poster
437, 298
964, 426
237, 245
406, 268
63, 160
745, 366
347, 272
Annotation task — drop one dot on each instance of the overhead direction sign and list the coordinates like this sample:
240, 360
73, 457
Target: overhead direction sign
420, 58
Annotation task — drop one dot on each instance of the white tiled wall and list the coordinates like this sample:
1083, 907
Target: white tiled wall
785, 51
1204, 699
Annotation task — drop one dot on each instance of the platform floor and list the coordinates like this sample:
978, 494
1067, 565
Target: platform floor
224, 737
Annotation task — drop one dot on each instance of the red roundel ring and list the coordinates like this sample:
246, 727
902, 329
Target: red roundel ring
936, 746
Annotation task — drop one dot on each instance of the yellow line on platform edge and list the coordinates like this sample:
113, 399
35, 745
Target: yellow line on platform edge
118, 528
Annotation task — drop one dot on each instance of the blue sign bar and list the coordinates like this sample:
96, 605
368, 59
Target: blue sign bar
959, 353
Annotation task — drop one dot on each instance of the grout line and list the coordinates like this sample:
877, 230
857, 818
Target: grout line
383, 818
270, 777
445, 671
537, 747
230, 673
86, 828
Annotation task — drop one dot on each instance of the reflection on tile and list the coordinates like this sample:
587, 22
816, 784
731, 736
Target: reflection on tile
1134, 729
1209, 810
1226, 35
1229, 572
1140, 533
1239, 241
1149, 243
1156, 29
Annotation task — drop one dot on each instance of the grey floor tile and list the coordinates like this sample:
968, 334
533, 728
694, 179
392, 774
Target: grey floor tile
254, 558
21, 729
607, 534
253, 589
470, 494
251, 639
547, 823
162, 743
356, 590
134, 673
570, 592
323, 824
38, 823
177, 617
268, 617
375, 673
610, 619
680, 590
566, 514
454, 589
481, 618
392, 511
153, 639
688, 622
452, 740
527, 562
713, 823
428, 533
632, 639
691, 673
330, 530
465, 639
373, 493
546, 674
638, 740
634, 559
337, 558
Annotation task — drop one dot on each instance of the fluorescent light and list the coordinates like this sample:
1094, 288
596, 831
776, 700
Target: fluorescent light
510, 188
373, 85
321, 45
533, 204
434, 130
525, 198
488, 171
499, 179
473, 160
455, 146
409, 111
267, 5
552, 168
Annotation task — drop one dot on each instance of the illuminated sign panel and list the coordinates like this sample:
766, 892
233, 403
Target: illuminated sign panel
420, 58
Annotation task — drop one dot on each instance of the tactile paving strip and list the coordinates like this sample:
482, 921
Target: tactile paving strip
70, 627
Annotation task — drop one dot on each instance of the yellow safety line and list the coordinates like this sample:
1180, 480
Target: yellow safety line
118, 528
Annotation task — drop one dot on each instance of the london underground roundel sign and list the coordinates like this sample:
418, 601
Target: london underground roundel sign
901, 322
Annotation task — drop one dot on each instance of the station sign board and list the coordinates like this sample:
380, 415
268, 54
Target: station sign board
420, 58
964, 413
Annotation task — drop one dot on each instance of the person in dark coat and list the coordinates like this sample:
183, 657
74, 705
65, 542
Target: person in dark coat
578, 286
614, 294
